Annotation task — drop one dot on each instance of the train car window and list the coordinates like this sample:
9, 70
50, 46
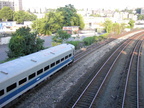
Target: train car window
57, 62
32, 76
1, 92
62, 59
46, 68
53, 64
70, 55
22, 81
66, 57
9, 88
39, 71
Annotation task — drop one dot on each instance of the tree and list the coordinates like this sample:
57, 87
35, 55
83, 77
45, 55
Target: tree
22, 16
131, 23
116, 28
113, 27
81, 22
130, 11
56, 19
6, 14
123, 26
61, 36
68, 12
23, 42
108, 25
71, 18
50, 24
30, 16
140, 17
19, 16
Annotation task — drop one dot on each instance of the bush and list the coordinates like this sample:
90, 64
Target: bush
89, 40
103, 36
96, 38
61, 36
77, 44
55, 43
23, 42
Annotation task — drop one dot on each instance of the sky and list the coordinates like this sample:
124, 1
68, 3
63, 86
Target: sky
109, 4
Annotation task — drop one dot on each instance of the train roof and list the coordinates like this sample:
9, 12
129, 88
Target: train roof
17, 66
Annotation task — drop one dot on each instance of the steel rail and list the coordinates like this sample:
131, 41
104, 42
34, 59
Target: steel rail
127, 78
138, 73
138, 65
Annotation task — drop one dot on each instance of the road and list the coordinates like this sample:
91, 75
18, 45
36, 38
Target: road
3, 54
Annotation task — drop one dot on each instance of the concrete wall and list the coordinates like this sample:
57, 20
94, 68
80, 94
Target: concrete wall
4, 40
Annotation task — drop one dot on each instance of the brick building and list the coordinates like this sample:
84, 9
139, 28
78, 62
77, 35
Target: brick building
71, 29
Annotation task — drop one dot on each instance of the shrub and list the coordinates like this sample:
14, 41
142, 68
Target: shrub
75, 43
89, 40
23, 42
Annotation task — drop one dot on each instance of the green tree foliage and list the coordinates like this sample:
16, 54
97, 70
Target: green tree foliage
71, 18
130, 11
6, 13
75, 43
89, 40
23, 42
113, 27
61, 36
108, 25
131, 24
95, 15
69, 13
56, 19
50, 24
140, 17
30, 16
22, 16
116, 28
19, 16
80, 22
123, 26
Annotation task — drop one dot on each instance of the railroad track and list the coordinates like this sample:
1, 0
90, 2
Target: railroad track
92, 91
131, 91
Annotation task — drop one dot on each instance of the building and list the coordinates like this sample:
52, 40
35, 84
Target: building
7, 3
15, 5
142, 11
18, 5
71, 29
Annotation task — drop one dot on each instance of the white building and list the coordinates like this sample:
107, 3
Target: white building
142, 11
7, 3
15, 5
18, 5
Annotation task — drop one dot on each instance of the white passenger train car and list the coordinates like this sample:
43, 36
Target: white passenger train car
20, 75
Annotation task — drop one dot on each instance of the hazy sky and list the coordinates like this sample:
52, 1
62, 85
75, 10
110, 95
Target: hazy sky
117, 4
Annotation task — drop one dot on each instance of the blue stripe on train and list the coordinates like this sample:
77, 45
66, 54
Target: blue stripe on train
4, 99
